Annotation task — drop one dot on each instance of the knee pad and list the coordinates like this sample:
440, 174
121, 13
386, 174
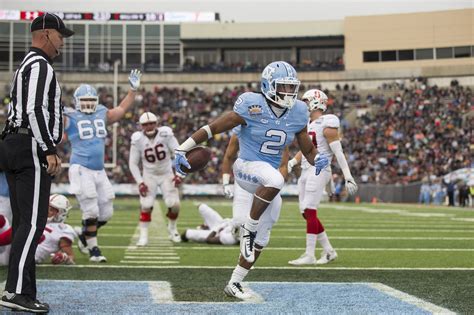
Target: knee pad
276, 181
172, 213
313, 224
89, 223
101, 223
145, 216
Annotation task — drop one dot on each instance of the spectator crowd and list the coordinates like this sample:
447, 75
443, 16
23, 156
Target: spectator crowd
418, 131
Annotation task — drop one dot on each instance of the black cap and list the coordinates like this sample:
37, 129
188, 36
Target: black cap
50, 21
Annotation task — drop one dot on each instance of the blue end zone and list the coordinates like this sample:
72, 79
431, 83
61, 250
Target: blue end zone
129, 297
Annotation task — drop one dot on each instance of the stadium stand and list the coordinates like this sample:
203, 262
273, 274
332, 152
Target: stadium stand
406, 130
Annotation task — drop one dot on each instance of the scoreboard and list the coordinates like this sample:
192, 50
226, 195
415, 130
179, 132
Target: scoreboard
15, 15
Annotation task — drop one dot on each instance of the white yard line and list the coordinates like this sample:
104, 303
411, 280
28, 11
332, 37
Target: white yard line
410, 299
159, 249
258, 267
220, 248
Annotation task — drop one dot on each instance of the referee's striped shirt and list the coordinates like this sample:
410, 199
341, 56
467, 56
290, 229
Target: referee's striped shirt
35, 100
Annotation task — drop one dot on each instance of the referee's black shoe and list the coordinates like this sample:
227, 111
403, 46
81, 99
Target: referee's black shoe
22, 302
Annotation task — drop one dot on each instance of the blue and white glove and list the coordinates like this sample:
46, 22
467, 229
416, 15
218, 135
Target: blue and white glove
180, 159
134, 79
320, 162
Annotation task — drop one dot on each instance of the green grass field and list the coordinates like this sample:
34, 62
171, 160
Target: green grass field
427, 252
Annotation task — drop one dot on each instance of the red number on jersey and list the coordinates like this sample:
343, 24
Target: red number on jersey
312, 135
43, 237
153, 154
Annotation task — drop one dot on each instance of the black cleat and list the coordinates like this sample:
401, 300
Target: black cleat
22, 302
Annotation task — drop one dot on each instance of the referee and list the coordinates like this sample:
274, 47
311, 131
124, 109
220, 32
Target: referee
28, 155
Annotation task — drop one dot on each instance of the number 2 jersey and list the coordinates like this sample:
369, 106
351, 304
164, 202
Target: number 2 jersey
87, 133
264, 135
316, 134
49, 241
155, 153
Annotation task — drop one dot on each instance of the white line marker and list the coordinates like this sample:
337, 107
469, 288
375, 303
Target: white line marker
427, 306
233, 266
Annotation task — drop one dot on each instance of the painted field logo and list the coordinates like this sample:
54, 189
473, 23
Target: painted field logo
156, 297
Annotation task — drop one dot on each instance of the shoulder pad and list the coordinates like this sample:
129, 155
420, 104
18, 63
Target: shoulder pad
136, 136
101, 107
68, 111
165, 131
331, 121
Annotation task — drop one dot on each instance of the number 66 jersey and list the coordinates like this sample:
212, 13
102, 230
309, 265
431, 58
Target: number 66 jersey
155, 153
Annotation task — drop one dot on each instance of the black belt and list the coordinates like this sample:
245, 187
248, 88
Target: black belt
20, 130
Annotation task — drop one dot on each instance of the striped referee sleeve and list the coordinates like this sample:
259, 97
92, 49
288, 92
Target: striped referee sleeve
39, 77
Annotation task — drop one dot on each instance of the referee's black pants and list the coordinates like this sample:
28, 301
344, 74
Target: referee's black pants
25, 166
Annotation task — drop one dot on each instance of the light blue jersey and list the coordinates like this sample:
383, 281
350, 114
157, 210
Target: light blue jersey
4, 192
87, 133
264, 136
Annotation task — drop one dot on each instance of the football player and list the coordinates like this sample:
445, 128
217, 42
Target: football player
269, 121
154, 147
215, 230
56, 242
5, 240
5, 208
86, 127
240, 211
324, 134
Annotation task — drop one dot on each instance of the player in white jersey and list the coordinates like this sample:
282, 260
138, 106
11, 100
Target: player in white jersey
215, 229
5, 207
56, 242
324, 133
86, 128
154, 147
5, 239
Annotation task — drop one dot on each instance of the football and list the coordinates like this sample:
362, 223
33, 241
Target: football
197, 158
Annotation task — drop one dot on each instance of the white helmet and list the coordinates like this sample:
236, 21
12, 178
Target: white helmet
61, 203
146, 118
315, 99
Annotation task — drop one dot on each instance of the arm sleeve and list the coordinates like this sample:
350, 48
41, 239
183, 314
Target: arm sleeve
39, 79
336, 148
133, 162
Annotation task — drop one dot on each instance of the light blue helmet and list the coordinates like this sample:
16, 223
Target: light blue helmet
86, 99
280, 83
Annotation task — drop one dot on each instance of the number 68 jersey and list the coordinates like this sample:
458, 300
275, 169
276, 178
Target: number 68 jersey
87, 133
155, 153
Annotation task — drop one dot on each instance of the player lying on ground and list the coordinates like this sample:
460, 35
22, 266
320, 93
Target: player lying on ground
214, 230
58, 237
56, 242
324, 133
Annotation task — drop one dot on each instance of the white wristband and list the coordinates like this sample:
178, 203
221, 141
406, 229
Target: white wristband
208, 130
225, 179
187, 145
293, 162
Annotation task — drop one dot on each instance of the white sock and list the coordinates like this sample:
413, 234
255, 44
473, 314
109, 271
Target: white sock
251, 224
171, 225
91, 242
310, 244
238, 274
144, 229
324, 241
